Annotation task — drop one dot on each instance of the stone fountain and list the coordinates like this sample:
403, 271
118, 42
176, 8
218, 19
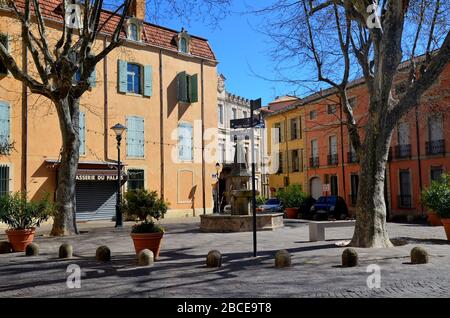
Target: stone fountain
239, 194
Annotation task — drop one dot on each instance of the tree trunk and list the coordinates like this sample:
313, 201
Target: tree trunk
65, 218
370, 228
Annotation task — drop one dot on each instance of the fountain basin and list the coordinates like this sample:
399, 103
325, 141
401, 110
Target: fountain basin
226, 223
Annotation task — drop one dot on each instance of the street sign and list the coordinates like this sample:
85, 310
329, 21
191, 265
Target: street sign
326, 188
257, 122
255, 104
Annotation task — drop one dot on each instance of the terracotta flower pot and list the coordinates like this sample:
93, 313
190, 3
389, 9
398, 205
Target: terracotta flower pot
291, 213
434, 219
151, 241
19, 239
446, 223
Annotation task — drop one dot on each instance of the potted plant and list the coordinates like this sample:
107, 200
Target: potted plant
22, 217
292, 198
147, 208
436, 198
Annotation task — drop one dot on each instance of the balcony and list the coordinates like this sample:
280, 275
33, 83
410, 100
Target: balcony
402, 151
404, 202
333, 160
351, 157
436, 147
352, 199
314, 162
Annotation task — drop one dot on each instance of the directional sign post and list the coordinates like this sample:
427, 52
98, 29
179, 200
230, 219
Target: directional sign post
251, 122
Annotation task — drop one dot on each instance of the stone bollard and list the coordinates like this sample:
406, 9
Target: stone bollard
32, 249
349, 258
5, 247
419, 256
145, 258
214, 259
65, 251
103, 254
282, 259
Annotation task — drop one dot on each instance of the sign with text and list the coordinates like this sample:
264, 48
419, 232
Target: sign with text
326, 188
248, 122
96, 178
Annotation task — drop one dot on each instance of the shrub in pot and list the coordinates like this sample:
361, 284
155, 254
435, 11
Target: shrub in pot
292, 197
437, 199
22, 217
147, 208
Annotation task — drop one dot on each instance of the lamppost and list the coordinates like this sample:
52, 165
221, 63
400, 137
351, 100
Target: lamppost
218, 188
118, 130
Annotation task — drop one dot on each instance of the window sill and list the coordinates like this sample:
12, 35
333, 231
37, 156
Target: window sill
135, 158
134, 94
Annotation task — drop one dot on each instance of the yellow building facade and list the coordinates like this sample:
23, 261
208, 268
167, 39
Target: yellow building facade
163, 148
286, 147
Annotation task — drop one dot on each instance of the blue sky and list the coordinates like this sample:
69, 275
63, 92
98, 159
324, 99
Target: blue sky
242, 51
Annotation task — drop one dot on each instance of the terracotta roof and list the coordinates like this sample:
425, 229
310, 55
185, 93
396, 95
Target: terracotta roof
153, 34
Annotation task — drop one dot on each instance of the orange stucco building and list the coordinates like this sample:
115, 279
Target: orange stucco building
142, 85
419, 148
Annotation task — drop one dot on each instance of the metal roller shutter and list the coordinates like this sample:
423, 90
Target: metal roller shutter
95, 200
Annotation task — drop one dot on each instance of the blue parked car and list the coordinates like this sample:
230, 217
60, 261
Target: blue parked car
272, 205
329, 207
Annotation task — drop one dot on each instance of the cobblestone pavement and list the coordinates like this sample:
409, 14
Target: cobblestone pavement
181, 270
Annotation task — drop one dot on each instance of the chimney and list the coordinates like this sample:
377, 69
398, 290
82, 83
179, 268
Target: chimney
137, 9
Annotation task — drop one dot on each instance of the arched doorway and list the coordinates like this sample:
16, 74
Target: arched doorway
315, 184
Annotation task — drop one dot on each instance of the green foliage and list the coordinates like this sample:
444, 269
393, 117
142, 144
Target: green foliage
146, 207
437, 197
260, 200
19, 213
292, 196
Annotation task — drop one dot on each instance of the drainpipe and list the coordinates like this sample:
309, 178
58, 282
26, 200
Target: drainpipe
24, 160
161, 123
287, 144
105, 100
203, 134
419, 163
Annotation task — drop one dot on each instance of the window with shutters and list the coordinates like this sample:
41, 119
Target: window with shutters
92, 79
220, 114
436, 173
135, 137
135, 180
294, 128
187, 88
405, 197
135, 79
4, 179
185, 142
295, 161
331, 109
5, 41
82, 133
313, 115
280, 162
4, 125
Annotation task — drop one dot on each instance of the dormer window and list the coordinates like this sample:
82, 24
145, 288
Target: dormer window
134, 29
184, 42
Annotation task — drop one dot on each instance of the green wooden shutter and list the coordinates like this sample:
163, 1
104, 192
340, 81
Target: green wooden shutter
182, 87
82, 133
148, 90
122, 76
193, 88
4, 122
92, 79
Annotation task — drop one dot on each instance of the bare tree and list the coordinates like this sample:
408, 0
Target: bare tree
56, 66
343, 40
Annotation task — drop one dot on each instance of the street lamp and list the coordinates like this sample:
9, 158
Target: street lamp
118, 130
218, 188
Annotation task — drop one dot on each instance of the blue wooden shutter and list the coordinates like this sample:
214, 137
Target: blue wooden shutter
82, 133
185, 142
182, 87
130, 136
92, 78
193, 88
140, 136
122, 76
148, 80
4, 123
